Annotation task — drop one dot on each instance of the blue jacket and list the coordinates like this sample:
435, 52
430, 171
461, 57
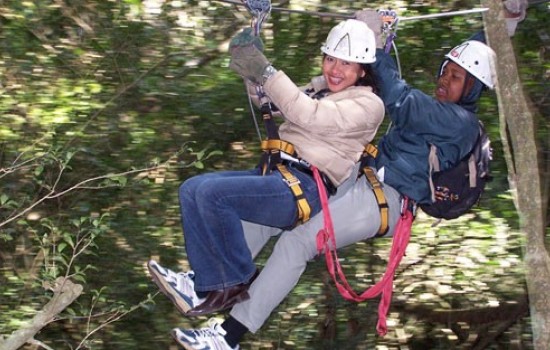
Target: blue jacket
419, 120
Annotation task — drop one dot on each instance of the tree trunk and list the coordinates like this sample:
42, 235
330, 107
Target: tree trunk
518, 136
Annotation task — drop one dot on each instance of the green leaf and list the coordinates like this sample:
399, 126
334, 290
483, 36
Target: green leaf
38, 170
79, 278
61, 259
214, 153
3, 199
200, 155
61, 246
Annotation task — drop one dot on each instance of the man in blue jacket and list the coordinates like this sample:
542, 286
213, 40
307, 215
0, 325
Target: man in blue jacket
447, 121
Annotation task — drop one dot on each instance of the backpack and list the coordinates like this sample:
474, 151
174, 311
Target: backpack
459, 188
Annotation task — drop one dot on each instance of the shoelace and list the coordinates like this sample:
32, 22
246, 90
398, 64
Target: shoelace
213, 335
183, 281
214, 329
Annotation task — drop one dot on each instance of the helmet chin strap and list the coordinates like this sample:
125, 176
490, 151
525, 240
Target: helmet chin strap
467, 87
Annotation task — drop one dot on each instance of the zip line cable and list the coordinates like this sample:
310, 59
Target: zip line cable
351, 16
348, 16
444, 14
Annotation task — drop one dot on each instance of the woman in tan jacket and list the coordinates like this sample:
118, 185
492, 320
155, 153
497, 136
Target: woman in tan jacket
328, 122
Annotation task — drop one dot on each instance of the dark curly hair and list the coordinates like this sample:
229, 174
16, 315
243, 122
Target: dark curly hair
369, 79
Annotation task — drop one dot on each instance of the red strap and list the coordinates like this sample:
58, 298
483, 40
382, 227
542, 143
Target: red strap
326, 243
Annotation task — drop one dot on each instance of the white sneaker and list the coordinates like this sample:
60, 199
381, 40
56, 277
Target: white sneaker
209, 338
178, 287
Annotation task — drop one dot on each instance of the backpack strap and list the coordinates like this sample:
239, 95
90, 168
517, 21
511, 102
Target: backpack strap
472, 170
433, 163
369, 154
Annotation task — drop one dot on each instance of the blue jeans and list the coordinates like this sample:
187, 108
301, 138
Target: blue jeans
212, 206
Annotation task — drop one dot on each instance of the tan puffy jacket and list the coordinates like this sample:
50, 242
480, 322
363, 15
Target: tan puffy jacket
329, 133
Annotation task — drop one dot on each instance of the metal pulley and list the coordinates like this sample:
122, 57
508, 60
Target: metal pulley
259, 9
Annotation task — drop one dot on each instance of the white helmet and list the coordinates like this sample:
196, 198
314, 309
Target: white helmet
352, 41
477, 58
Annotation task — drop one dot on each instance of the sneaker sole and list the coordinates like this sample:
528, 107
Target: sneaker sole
168, 291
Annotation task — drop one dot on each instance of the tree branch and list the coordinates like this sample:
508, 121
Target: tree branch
65, 292
53, 193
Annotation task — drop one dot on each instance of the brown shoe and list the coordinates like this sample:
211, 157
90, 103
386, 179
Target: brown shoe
219, 300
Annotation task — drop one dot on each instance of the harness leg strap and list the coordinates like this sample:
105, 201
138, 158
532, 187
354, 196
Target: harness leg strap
378, 189
304, 210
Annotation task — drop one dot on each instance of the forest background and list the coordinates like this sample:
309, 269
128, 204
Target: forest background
107, 106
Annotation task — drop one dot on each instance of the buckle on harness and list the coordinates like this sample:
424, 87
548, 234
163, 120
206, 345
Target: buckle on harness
304, 210
408, 204
291, 181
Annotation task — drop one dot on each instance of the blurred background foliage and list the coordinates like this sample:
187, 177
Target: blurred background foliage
141, 89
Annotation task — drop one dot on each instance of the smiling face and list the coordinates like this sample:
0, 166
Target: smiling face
340, 74
450, 84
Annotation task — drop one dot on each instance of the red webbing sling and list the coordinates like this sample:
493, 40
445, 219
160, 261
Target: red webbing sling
326, 242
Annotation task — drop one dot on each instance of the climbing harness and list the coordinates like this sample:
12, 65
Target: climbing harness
277, 154
272, 149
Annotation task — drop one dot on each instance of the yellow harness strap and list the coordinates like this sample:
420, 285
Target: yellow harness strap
304, 210
283, 146
271, 157
377, 188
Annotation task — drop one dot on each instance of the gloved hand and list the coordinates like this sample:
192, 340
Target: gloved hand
246, 37
374, 22
247, 59
514, 12
516, 7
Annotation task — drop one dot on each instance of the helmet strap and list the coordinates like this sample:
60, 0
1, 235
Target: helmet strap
468, 84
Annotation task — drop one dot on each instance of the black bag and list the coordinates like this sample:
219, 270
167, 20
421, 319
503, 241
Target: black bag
459, 188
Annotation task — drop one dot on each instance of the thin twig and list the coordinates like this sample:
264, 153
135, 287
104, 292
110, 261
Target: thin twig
54, 194
37, 342
117, 316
